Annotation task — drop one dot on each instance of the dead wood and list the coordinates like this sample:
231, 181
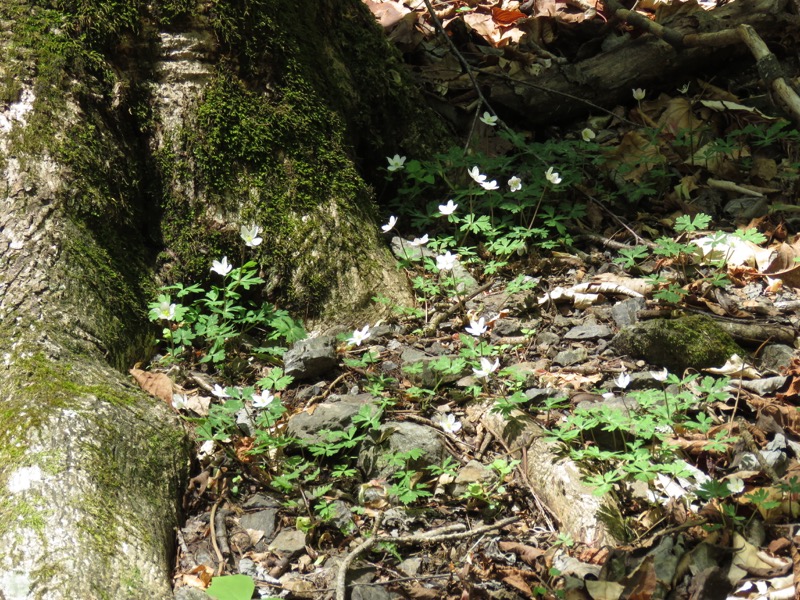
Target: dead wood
554, 478
561, 92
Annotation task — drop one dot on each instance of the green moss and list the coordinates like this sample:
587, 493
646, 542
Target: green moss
118, 417
687, 342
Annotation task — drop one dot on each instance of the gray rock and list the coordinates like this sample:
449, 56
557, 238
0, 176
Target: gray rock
537, 395
624, 313
289, 542
335, 414
244, 422
410, 566
190, 593
311, 358
473, 472
427, 375
571, 356
261, 500
401, 436
342, 517
762, 387
591, 331
262, 520
775, 357
507, 327
547, 339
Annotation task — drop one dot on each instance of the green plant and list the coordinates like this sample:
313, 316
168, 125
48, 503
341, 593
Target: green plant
617, 445
212, 321
407, 487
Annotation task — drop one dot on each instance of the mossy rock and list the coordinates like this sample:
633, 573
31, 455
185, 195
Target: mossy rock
678, 344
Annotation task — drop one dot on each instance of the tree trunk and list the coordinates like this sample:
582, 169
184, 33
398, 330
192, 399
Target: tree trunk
135, 139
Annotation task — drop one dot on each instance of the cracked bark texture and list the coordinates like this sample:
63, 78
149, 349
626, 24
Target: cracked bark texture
120, 171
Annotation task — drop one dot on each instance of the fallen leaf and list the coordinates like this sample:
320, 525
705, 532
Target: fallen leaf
155, 384
507, 17
528, 554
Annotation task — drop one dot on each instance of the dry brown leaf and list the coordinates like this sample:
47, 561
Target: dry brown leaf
155, 384
528, 554
518, 583
388, 14
506, 17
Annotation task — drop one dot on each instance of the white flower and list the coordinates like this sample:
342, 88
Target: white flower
223, 267
448, 423
219, 391
390, 225
515, 184
446, 261
250, 235
396, 162
684, 88
487, 368
659, 375
359, 336
262, 400
623, 380
490, 185
552, 176
165, 311
735, 485
178, 401
489, 119
588, 135
448, 209
476, 174
476, 328
638, 94
420, 241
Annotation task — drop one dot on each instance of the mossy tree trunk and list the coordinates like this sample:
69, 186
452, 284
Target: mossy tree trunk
135, 138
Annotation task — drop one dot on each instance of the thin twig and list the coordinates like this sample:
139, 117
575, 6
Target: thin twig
443, 534
327, 391
341, 576
214, 544
464, 65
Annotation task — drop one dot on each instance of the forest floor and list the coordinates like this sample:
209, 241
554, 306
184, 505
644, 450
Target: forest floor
595, 395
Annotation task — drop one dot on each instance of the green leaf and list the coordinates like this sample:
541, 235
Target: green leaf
231, 587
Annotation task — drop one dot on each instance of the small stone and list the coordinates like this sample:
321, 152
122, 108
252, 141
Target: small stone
588, 332
289, 542
410, 566
311, 358
624, 313
571, 357
260, 521
335, 414
507, 327
775, 357
244, 422
547, 339
523, 371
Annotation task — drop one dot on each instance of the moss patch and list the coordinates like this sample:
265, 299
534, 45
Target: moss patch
687, 342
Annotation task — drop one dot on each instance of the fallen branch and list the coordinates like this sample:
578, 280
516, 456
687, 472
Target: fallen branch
443, 534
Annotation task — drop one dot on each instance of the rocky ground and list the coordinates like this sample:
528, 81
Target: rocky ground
513, 516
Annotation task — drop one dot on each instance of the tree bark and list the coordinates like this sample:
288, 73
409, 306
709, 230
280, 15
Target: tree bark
135, 139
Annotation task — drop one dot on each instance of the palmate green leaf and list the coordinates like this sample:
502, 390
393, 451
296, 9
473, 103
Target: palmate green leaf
231, 587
